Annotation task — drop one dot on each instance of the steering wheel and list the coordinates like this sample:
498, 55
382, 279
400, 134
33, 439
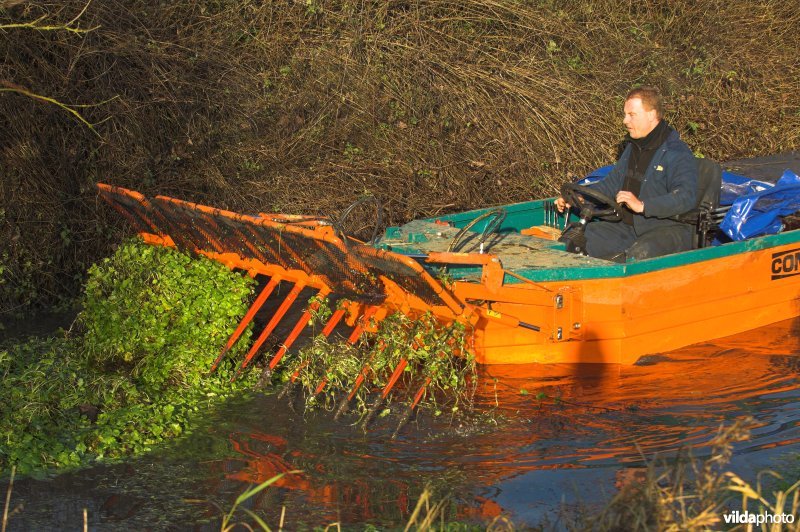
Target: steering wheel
604, 207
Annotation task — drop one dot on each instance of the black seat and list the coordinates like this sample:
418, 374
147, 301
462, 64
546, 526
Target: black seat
704, 215
709, 183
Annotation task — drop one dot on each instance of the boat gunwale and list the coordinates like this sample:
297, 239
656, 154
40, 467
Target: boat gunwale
619, 270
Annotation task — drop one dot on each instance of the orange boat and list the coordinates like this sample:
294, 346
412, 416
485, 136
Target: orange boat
502, 272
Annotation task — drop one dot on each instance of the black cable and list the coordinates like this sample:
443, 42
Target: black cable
339, 223
493, 225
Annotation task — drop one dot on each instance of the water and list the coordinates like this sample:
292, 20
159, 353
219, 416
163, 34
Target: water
527, 455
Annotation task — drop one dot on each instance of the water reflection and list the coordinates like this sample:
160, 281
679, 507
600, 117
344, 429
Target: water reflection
562, 425
548, 436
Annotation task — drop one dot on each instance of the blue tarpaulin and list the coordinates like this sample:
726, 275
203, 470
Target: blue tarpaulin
735, 185
759, 212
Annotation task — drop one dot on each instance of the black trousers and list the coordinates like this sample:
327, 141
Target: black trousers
618, 241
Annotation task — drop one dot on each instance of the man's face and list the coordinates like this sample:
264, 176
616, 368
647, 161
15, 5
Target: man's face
639, 120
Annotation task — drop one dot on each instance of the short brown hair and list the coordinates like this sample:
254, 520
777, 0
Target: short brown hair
651, 98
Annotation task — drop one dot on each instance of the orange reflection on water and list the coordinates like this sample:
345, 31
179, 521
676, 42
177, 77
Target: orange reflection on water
556, 419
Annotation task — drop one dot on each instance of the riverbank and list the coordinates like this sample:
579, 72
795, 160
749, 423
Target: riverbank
432, 106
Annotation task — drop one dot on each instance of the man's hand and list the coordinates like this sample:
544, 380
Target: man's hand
561, 204
629, 199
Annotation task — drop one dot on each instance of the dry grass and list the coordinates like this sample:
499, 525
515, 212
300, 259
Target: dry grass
302, 106
693, 494
687, 494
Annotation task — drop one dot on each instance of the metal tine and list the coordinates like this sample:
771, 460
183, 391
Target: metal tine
417, 398
248, 317
345, 404
333, 321
398, 370
296, 331
362, 375
392, 381
290, 383
410, 410
276, 318
358, 330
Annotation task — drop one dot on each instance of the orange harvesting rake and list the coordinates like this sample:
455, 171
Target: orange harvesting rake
306, 253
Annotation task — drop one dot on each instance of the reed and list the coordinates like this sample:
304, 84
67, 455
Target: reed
690, 493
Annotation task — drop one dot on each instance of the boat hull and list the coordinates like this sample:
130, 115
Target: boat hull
619, 318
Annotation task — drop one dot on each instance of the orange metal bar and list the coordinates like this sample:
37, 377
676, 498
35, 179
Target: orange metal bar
333, 322
354, 336
451, 302
298, 328
297, 372
360, 324
346, 401
398, 370
362, 375
251, 313
276, 318
395, 376
420, 393
461, 258
410, 410
357, 385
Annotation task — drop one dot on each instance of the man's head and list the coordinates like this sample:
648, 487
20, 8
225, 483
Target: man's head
643, 111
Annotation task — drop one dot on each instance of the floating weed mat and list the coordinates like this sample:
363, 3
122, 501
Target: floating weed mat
407, 363
132, 371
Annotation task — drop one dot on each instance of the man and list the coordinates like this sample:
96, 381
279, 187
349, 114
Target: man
655, 178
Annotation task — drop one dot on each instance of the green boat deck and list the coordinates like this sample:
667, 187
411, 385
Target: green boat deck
522, 254
539, 259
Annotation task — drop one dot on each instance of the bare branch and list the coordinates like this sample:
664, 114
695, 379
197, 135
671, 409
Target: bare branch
6, 86
38, 24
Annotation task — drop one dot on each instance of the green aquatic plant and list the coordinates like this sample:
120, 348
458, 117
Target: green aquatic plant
132, 371
160, 315
430, 358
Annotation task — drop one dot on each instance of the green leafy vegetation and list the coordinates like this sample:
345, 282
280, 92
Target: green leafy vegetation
132, 371
436, 360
